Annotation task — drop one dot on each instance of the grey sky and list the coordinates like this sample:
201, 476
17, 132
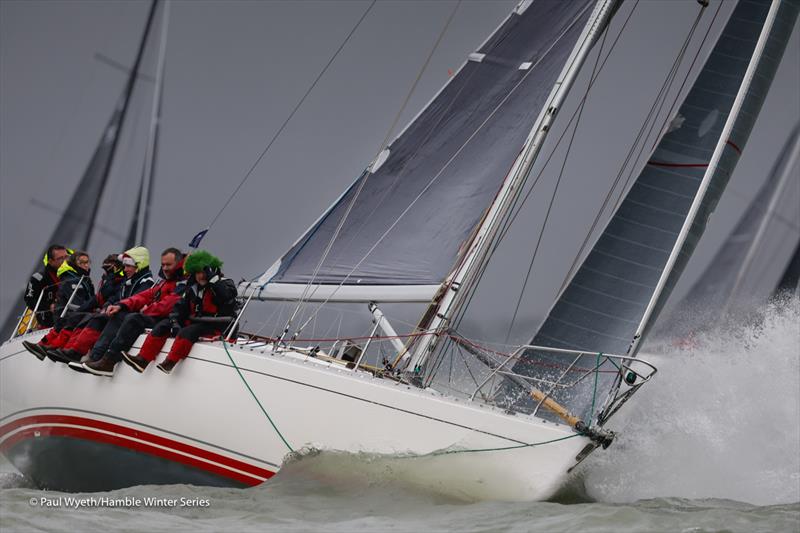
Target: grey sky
234, 72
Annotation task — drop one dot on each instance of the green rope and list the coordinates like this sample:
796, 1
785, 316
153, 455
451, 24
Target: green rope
433, 454
225, 345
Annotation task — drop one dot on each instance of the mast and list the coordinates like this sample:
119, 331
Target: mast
141, 215
123, 110
461, 281
723, 143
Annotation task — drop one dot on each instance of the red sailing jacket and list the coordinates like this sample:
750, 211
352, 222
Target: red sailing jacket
158, 300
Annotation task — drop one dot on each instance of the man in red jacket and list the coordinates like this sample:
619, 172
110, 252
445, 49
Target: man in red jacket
143, 310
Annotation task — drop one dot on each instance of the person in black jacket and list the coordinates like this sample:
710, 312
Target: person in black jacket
107, 293
207, 307
101, 327
75, 296
45, 282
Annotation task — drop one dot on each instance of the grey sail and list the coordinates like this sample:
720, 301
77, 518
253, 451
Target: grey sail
422, 198
616, 294
790, 280
76, 225
718, 286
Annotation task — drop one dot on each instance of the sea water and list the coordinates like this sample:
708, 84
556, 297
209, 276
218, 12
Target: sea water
711, 444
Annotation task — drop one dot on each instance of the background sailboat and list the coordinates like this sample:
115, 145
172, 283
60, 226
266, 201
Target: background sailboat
78, 222
739, 264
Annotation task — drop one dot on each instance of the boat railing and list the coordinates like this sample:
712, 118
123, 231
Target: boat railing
631, 374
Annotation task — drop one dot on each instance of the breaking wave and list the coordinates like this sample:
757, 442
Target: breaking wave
720, 420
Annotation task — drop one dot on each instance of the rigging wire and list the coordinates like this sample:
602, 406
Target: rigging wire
667, 83
291, 115
555, 189
517, 206
596, 220
439, 173
366, 172
385, 143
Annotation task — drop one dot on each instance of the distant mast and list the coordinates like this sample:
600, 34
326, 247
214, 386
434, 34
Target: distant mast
141, 215
76, 225
122, 108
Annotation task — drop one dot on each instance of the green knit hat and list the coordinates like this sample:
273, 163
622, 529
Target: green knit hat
198, 260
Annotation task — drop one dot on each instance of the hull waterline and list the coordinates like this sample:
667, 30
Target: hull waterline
202, 425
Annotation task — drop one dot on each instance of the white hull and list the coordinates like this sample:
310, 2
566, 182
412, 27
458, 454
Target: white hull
201, 425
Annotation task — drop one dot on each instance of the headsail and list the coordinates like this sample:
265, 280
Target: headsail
422, 198
720, 284
614, 297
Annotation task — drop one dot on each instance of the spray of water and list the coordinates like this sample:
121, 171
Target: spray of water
721, 419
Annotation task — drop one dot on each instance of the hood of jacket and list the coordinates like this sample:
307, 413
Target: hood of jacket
141, 257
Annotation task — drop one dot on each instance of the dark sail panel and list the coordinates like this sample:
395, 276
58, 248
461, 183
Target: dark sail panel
603, 305
716, 287
419, 207
75, 227
790, 281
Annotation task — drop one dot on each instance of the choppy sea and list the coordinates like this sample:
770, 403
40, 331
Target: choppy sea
712, 444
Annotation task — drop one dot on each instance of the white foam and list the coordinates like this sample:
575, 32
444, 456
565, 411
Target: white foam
720, 420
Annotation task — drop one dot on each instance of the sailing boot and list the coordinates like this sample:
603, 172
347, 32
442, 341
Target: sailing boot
64, 355
167, 365
150, 349
102, 367
35, 349
136, 362
78, 367
180, 349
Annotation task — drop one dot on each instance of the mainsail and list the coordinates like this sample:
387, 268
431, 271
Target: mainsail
720, 285
612, 300
397, 232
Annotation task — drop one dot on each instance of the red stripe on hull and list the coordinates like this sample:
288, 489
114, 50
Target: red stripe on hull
122, 437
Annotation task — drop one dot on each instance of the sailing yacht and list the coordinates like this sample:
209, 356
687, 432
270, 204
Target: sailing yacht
419, 225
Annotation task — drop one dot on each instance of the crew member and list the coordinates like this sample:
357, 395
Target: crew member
75, 296
102, 327
141, 311
108, 292
45, 282
206, 303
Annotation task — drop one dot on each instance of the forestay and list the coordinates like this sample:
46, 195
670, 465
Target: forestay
616, 294
420, 201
